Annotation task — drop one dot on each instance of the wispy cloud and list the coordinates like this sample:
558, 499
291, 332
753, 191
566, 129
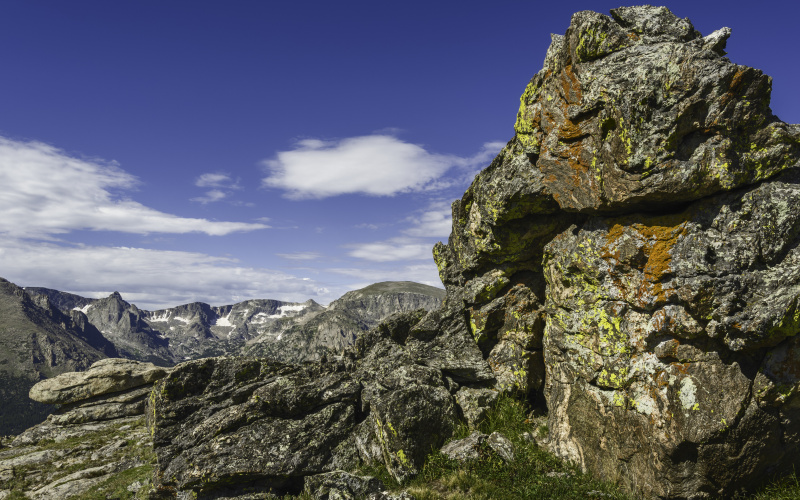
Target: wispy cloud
434, 222
300, 256
221, 183
216, 180
47, 192
395, 249
161, 278
376, 165
211, 196
421, 273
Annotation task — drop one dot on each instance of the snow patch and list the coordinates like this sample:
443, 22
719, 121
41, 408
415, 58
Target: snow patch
226, 321
287, 309
83, 309
165, 317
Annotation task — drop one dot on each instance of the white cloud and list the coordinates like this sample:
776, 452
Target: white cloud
222, 185
152, 279
46, 192
394, 249
377, 165
435, 222
211, 196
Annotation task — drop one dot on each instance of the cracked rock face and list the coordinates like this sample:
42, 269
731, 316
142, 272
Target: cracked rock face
631, 257
232, 424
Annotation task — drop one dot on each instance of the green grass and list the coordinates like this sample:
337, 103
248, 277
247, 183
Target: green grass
492, 478
527, 476
786, 488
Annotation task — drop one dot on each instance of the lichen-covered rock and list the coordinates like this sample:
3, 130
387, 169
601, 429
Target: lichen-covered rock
103, 377
231, 425
631, 255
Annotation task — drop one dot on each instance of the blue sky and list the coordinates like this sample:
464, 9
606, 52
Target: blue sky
219, 151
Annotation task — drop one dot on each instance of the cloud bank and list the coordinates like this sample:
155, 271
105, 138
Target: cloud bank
47, 192
152, 279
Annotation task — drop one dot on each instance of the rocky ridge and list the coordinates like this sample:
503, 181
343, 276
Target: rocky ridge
286, 331
38, 341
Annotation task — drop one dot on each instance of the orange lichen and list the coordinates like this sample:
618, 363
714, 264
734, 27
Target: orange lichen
571, 86
657, 240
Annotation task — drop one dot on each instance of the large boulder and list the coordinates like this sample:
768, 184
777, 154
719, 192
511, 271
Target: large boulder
103, 377
630, 257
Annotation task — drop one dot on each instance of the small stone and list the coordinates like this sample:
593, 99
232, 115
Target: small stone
465, 449
501, 445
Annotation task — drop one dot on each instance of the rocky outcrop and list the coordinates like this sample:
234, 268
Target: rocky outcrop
103, 411
631, 258
229, 425
38, 341
103, 377
110, 389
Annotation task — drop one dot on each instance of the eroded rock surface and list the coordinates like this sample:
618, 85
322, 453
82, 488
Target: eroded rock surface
231, 425
631, 257
103, 377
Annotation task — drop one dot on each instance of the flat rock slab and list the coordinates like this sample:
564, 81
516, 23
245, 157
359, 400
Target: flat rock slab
105, 376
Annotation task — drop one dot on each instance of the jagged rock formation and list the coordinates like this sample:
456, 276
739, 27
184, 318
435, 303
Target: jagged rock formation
124, 324
336, 327
38, 341
102, 408
231, 425
64, 301
632, 254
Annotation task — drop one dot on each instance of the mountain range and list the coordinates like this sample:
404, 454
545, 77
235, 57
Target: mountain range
44, 332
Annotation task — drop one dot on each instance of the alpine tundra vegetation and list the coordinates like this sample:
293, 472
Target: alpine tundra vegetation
622, 288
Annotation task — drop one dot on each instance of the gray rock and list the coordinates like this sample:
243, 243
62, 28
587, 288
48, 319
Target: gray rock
385, 495
341, 485
501, 445
59, 433
475, 402
235, 424
477, 445
75, 484
264, 424
465, 449
103, 377
104, 407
